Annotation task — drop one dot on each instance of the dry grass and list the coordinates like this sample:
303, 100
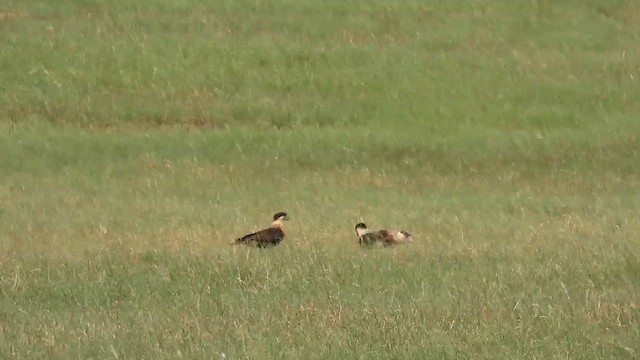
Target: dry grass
138, 139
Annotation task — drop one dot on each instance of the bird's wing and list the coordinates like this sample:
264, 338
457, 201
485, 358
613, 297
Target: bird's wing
371, 238
395, 236
269, 236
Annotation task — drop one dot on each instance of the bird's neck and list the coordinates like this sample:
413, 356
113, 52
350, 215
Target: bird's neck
362, 232
277, 224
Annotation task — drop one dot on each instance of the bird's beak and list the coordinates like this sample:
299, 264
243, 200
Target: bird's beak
287, 217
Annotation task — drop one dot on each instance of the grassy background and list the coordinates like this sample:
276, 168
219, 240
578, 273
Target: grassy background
138, 138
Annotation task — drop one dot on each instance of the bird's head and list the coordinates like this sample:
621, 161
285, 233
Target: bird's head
361, 229
282, 216
279, 219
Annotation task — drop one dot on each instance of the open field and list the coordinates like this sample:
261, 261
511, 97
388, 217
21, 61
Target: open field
138, 138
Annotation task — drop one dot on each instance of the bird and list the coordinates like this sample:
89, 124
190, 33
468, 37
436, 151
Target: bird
268, 237
368, 237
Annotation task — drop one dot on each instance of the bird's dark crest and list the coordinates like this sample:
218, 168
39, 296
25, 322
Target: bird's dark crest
278, 215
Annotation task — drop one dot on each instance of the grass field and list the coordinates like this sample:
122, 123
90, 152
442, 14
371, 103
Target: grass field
138, 138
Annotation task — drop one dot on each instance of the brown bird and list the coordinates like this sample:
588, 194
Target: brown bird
367, 237
268, 237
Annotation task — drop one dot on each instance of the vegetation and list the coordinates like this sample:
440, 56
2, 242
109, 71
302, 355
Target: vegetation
138, 138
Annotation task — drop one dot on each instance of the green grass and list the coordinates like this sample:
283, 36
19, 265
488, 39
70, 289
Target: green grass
138, 138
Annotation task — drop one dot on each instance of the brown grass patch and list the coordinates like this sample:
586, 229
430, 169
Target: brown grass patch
11, 15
